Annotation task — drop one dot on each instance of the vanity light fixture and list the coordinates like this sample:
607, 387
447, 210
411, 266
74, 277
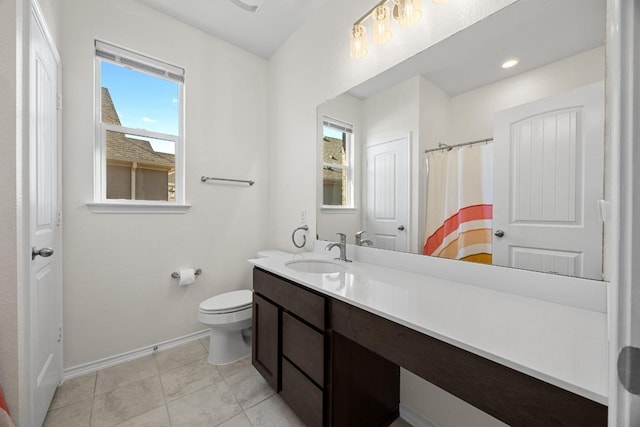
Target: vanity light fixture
406, 12
510, 63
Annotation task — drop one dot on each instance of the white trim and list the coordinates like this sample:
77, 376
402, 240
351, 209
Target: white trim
140, 132
121, 53
100, 202
87, 368
36, 10
413, 418
622, 74
138, 207
337, 209
337, 124
613, 98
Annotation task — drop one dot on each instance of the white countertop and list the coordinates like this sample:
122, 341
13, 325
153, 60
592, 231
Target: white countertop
562, 345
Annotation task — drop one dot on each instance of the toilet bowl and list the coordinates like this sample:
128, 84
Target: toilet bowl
229, 316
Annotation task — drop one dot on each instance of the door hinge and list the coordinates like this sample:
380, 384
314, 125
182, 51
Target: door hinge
604, 208
59, 218
59, 102
59, 334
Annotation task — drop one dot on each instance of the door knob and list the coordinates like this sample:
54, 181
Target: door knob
498, 233
401, 228
44, 252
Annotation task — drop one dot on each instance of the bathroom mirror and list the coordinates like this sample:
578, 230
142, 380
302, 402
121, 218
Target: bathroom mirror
449, 154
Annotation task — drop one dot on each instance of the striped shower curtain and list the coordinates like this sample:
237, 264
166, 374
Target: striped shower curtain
459, 208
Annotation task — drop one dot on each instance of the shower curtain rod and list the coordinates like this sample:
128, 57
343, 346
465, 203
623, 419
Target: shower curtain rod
442, 146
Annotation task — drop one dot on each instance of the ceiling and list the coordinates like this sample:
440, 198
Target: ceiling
536, 31
261, 32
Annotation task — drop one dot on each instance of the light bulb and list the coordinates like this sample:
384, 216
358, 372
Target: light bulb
381, 24
407, 12
358, 42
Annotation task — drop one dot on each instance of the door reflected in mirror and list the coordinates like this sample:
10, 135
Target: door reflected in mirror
448, 154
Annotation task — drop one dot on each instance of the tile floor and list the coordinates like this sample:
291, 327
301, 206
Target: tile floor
172, 388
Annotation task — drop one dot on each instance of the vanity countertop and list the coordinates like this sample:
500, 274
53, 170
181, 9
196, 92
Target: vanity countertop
562, 345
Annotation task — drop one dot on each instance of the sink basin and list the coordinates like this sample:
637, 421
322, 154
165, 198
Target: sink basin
315, 266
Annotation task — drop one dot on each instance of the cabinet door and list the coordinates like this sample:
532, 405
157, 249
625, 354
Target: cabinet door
265, 345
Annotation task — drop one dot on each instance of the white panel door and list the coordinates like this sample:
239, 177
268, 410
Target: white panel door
45, 282
387, 213
549, 160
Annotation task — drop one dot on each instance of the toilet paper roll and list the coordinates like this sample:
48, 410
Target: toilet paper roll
187, 276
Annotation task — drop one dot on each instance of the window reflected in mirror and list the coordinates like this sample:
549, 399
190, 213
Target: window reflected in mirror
337, 164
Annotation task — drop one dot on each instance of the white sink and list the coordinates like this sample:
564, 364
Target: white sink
319, 266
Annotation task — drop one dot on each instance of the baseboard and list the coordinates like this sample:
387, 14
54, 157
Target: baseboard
87, 368
413, 418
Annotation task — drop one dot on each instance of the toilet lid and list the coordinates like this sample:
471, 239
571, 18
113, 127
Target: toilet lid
228, 301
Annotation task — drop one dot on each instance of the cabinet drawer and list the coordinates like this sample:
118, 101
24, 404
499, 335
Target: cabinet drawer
302, 396
303, 303
304, 347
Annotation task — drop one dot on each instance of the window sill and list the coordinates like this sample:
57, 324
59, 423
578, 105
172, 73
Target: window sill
137, 208
331, 209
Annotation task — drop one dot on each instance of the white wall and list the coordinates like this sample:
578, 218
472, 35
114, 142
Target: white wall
395, 113
472, 112
10, 164
435, 112
118, 293
313, 66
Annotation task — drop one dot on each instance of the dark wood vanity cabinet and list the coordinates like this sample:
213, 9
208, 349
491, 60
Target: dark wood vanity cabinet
292, 359
297, 353
338, 365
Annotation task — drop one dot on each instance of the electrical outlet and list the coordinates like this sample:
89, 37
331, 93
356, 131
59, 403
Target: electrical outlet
303, 216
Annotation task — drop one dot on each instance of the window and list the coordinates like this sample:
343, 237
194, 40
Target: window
139, 131
337, 164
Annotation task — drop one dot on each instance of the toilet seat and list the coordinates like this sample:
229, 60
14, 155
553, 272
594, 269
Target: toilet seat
229, 302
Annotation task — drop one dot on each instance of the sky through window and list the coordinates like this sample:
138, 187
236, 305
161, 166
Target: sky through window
143, 101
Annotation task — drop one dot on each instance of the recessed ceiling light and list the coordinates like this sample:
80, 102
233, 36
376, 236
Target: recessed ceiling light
509, 63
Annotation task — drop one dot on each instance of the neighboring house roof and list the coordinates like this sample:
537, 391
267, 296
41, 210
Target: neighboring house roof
122, 148
332, 152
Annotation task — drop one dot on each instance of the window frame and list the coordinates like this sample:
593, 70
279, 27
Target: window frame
175, 74
349, 167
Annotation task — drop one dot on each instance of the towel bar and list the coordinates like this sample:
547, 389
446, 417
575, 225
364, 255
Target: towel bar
210, 178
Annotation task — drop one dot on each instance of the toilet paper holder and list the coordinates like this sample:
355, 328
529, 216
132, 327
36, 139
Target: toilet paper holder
176, 275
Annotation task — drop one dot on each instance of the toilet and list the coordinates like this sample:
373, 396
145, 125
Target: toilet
229, 316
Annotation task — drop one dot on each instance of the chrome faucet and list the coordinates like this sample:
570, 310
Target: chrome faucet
342, 245
361, 242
